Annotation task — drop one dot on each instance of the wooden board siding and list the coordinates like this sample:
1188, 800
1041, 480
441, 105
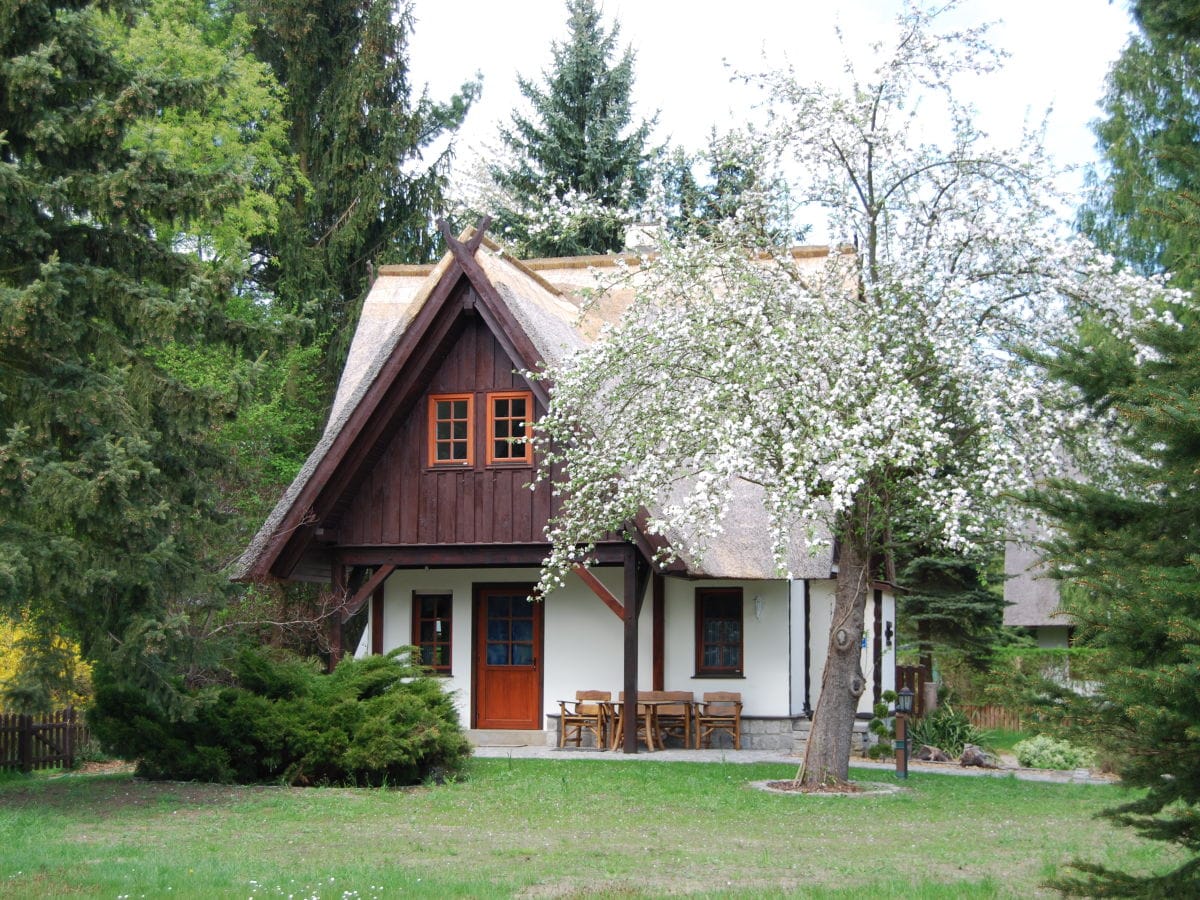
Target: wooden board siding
405, 500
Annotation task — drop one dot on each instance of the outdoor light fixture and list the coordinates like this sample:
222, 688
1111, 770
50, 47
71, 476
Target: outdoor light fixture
904, 706
887, 633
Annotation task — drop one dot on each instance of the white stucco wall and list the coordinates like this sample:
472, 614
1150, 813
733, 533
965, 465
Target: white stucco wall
584, 639
765, 641
821, 596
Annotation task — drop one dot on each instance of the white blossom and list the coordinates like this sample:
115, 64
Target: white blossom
899, 367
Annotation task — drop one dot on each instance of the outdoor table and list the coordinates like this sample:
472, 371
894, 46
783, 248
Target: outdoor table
647, 711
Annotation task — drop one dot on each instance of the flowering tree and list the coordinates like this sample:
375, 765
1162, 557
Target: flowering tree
876, 396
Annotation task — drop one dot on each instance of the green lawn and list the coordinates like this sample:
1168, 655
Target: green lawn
553, 828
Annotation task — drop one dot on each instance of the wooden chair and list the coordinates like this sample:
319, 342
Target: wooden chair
674, 719
719, 711
588, 712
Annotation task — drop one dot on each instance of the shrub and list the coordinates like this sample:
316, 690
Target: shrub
1045, 752
945, 728
373, 721
881, 731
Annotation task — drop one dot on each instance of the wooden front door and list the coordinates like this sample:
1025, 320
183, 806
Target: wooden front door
508, 658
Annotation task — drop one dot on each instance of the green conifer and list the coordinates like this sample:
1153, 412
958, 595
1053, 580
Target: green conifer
106, 464
360, 137
580, 142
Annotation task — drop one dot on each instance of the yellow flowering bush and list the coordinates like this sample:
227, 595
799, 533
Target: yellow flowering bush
12, 655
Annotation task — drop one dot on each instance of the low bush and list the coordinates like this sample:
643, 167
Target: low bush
1045, 752
374, 721
881, 729
945, 728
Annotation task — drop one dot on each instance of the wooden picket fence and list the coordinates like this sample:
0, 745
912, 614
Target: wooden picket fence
46, 742
990, 718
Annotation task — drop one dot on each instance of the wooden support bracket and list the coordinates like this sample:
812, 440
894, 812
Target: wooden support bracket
600, 591
363, 593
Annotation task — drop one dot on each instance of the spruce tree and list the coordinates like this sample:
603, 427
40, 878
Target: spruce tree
580, 146
1129, 547
948, 604
1150, 141
1168, 18
106, 464
360, 136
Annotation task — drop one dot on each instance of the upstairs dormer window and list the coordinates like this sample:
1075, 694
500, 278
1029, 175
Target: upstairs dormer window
509, 415
453, 438
451, 430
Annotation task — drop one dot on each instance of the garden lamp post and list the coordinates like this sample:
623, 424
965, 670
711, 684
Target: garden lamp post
904, 705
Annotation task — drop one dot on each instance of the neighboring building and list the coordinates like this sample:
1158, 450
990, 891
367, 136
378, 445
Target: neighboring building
416, 504
1032, 597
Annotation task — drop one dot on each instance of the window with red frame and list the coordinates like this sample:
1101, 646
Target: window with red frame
719, 631
432, 616
509, 417
451, 430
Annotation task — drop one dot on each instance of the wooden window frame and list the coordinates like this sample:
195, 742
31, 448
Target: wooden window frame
706, 671
418, 619
490, 437
432, 424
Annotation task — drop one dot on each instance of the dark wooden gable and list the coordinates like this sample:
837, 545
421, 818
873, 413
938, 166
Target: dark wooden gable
372, 489
406, 500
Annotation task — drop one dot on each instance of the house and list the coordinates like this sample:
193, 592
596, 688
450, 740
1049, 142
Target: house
1032, 597
416, 504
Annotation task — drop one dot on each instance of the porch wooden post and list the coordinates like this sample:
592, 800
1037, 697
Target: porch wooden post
630, 615
338, 584
659, 599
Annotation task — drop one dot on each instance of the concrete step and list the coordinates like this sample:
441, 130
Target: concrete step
496, 737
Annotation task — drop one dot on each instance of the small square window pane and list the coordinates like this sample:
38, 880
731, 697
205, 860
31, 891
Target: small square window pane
522, 654
443, 451
460, 451
522, 630
500, 410
500, 450
500, 428
518, 408
497, 654
460, 431
460, 409
443, 431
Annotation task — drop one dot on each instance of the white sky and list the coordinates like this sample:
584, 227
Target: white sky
1061, 51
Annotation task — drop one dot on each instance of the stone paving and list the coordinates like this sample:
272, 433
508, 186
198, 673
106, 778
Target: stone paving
1077, 776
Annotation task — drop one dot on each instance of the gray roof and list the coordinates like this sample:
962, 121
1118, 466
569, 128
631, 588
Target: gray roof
553, 323
1032, 595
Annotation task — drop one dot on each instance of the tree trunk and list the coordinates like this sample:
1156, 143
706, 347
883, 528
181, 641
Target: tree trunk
827, 754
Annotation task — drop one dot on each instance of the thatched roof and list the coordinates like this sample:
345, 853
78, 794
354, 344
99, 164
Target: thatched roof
542, 299
1031, 594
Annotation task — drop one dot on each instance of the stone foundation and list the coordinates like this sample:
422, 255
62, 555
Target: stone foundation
778, 735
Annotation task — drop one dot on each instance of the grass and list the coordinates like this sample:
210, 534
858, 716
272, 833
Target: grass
1004, 740
554, 828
